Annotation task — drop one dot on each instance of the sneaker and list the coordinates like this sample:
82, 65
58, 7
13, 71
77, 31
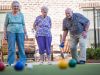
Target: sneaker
41, 62
49, 63
81, 62
9, 65
12, 65
25, 64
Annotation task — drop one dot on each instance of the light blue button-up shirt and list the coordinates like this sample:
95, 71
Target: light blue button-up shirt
15, 23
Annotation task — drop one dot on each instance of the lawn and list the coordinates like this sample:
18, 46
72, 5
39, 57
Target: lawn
87, 69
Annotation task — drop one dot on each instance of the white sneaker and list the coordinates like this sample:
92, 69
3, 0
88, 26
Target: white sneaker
12, 65
9, 65
41, 62
49, 63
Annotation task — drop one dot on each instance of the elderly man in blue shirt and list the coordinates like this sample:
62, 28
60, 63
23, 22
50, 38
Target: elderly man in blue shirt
78, 26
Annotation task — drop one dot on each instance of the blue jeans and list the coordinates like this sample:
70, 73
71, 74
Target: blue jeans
73, 47
13, 39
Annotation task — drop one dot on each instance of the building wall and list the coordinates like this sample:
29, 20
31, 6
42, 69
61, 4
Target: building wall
31, 9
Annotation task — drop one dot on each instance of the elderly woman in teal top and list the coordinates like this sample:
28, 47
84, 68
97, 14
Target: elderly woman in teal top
15, 33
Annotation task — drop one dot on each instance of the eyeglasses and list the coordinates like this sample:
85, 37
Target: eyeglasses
15, 6
43, 11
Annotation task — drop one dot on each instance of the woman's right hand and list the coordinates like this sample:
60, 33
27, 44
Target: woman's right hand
26, 36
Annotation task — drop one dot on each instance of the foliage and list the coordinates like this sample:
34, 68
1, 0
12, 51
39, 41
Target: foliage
93, 53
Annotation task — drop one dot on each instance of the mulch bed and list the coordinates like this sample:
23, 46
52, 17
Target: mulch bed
93, 61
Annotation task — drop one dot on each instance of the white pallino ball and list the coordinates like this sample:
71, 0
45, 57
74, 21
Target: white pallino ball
29, 66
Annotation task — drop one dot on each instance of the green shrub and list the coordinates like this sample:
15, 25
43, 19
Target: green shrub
90, 53
93, 53
97, 53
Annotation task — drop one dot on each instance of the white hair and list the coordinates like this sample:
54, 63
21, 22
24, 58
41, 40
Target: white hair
44, 8
14, 2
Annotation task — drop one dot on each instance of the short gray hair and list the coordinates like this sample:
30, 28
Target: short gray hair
12, 4
44, 8
68, 10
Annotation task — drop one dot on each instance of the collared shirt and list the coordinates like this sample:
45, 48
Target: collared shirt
15, 23
43, 26
76, 25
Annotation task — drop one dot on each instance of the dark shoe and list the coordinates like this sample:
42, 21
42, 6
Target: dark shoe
81, 62
7, 65
25, 64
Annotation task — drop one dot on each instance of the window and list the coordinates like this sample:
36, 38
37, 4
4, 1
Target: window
89, 14
98, 18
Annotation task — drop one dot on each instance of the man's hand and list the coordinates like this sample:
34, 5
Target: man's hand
84, 34
61, 45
